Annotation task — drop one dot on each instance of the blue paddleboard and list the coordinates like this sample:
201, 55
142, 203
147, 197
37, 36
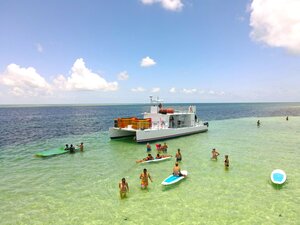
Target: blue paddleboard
174, 179
278, 176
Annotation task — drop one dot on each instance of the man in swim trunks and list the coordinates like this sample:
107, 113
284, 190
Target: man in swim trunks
148, 147
214, 154
149, 157
176, 170
165, 148
226, 161
158, 156
81, 146
144, 179
178, 156
124, 188
67, 147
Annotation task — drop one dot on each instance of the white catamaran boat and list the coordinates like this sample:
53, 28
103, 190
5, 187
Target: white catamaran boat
159, 123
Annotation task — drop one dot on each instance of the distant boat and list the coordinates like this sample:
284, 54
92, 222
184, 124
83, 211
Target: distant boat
278, 176
160, 123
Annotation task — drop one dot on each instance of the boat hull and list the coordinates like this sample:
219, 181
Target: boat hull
152, 135
155, 134
119, 133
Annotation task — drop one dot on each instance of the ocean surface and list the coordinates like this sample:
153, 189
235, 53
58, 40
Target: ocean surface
82, 188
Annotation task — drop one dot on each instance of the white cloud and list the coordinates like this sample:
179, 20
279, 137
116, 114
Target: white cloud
83, 79
189, 91
276, 23
155, 90
172, 5
172, 90
24, 81
39, 48
138, 89
147, 61
123, 75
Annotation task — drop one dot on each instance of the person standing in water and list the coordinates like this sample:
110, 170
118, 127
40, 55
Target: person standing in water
258, 123
72, 149
144, 179
148, 147
178, 156
124, 188
80, 146
214, 154
287, 118
226, 161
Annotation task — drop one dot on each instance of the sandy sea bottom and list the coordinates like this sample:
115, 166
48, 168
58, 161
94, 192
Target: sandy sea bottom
83, 188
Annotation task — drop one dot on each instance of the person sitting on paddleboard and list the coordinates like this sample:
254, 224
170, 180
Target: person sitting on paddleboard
158, 156
149, 157
176, 170
144, 179
124, 188
178, 156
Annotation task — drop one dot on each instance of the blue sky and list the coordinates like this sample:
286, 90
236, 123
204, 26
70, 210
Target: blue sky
122, 51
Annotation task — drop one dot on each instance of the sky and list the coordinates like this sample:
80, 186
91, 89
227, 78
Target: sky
123, 51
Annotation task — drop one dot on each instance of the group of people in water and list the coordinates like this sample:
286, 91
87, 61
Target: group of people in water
145, 175
160, 148
215, 154
72, 149
258, 121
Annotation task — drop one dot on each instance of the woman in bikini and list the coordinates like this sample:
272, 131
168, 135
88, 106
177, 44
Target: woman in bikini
144, 179
124, 188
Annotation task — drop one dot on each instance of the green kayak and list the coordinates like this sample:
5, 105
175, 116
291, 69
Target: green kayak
52, 152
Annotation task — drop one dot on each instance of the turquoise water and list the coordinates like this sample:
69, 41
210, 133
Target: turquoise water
82, 188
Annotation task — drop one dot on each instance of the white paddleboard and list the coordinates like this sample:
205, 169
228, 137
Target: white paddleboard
278, 176
174, 179
157, 160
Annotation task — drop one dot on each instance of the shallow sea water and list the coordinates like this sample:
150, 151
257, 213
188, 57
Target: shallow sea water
83, 188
